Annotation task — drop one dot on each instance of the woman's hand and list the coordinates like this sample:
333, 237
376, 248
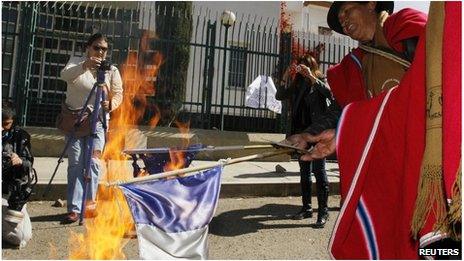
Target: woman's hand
106, 105
306, 72
92, 63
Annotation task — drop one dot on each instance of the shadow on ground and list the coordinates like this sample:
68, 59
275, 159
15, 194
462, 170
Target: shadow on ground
244, 221
268, 175
276, 175
48, 218
6, 245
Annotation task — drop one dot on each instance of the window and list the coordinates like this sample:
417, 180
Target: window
237, 66
324, 31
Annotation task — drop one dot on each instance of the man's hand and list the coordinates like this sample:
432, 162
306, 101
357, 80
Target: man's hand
300, 140
16, 160
325, 146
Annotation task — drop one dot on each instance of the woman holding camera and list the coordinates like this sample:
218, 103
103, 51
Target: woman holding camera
80, 74
309, 102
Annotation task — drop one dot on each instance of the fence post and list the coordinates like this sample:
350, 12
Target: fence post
208, 75
29, 14
285, 55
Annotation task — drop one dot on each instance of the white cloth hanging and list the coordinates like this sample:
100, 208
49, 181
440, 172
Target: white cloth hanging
261, 94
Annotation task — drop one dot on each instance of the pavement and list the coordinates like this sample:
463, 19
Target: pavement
256, 228
244, 179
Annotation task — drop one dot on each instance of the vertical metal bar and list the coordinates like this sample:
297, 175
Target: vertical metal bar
205, 72
275, 63
268, 69
240, 76
216, 90
5, 37
221, 111
200, 92
27, 37
192, 62
229, 71
249, 39
212, 54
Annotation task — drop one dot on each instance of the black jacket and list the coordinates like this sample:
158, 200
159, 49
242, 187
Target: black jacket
313, 107
18, 141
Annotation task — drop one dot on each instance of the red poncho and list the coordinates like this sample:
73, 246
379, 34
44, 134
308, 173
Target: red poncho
380, 144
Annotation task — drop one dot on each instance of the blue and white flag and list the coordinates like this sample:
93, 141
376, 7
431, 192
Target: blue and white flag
172, 215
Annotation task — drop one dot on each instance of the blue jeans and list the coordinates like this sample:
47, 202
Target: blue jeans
76, 151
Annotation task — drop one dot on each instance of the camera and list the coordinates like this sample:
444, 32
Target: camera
105, 65
18, 182
6, 157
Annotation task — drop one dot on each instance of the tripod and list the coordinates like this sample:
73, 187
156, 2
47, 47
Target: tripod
99, 97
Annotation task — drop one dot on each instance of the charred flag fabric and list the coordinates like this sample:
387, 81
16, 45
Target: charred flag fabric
172, 215
156, 160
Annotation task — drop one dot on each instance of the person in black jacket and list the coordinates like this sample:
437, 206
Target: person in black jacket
18, 179
312, 110
16, 160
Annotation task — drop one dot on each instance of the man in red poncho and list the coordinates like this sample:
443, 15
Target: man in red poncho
398, 139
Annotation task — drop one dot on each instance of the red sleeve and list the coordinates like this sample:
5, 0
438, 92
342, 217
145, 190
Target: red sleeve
345, 79
402, 25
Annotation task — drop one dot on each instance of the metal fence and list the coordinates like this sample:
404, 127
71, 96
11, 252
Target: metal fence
39, 37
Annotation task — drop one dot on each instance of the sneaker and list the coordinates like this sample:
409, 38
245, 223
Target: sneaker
71, 218
14, 216
304, 213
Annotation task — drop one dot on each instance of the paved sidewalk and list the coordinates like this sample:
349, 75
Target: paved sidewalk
239, 180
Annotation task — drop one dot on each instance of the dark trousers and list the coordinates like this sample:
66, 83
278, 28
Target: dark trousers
15, 183
317, 167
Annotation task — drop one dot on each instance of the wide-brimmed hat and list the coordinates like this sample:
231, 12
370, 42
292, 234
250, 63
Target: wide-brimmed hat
332, 16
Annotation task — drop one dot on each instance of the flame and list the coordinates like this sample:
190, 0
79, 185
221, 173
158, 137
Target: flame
104, 234
177, 160
153, 122
178, 157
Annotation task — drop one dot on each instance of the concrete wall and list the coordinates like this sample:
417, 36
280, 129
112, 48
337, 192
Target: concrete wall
49, 142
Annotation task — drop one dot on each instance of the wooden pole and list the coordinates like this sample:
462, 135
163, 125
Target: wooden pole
208, 148
198, 168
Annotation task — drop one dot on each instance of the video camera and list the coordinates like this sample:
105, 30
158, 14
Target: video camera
105, 65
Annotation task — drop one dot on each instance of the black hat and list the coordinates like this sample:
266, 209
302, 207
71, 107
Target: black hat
332, 16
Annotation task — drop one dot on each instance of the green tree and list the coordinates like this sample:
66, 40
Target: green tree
174, 30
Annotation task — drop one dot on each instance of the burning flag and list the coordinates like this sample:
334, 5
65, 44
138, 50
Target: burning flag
158, 160
172, 215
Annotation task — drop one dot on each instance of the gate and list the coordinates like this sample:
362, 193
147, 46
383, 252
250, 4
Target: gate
39, 38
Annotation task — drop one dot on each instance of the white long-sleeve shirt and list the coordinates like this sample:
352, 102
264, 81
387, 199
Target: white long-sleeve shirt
80, 83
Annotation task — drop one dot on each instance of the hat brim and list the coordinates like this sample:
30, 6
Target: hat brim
332, 15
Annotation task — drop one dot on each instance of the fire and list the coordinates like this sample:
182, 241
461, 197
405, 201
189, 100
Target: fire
154, 120
104, 234
177, 160
178, 157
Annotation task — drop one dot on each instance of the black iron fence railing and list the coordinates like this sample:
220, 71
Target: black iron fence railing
206, 71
